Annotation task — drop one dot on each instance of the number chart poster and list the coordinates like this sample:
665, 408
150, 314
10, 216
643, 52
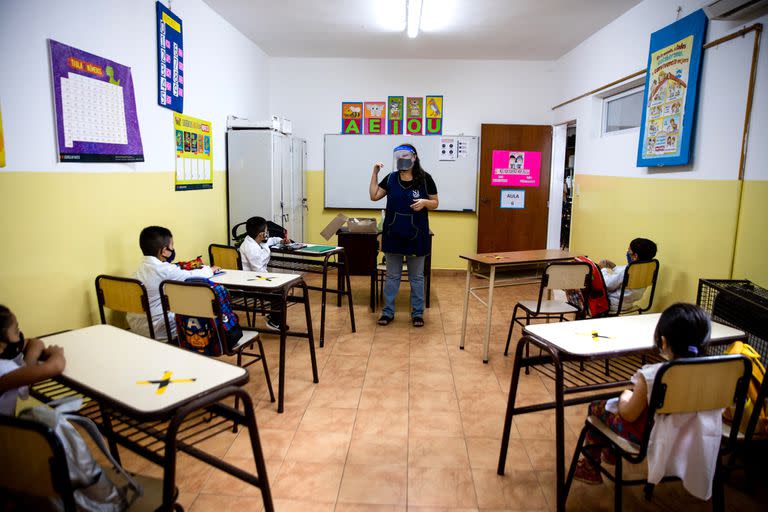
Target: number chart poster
170, 59
671, 87
194, 153
515, 168
96, 118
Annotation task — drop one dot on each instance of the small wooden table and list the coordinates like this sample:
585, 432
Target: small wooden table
304, 260
476, 263
150, 397
569, 354
275, 288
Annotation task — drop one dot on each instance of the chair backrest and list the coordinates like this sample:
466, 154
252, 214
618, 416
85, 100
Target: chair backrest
699, 384
572, 275
224, 256
33, 461
125, 295
188, 299
640, 274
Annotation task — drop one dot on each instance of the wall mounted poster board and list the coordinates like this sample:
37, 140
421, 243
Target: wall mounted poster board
170, 59
515, 168
96, 117
349, 162
671, 87
194, 153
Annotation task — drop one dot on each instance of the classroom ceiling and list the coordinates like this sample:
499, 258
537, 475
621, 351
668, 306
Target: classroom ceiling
451, 29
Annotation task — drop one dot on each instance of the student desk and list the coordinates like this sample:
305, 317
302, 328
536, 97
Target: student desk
572, 354
478, 264
275, 288
154, 399
304, 260
363, 251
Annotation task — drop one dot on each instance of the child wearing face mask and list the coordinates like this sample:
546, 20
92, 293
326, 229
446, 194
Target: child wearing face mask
23, 362
255, 252
156, 244
640, 250
683, 444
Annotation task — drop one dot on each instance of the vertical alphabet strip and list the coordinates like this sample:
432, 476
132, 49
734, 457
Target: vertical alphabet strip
374, 112
351, 117
395, 115
414, 116
434, 112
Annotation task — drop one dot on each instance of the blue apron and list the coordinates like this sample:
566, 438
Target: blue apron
405, 231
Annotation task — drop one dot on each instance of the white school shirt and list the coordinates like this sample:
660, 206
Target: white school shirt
255, 256
152, 272
8, 398
613, 279
684, 445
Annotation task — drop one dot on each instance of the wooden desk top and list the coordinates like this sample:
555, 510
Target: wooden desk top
630, 333
244, 279
518, 257
127, 371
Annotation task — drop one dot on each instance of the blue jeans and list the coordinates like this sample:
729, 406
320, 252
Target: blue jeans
392, 283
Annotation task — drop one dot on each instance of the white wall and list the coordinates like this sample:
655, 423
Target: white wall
225, 73
309, 92
620, 49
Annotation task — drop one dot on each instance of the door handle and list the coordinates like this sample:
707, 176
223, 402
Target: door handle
484, 200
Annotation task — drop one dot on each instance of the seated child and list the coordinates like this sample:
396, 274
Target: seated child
157, 246
23, 363
683, 331
254, 251
640, 249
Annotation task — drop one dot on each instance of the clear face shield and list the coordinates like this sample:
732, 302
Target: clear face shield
403, 159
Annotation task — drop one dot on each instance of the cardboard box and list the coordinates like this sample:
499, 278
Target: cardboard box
355, 225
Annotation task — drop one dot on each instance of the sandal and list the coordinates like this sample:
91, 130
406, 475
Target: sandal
385, 320
418, 321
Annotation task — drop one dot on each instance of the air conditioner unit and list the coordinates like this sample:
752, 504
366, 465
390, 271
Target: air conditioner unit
737, 10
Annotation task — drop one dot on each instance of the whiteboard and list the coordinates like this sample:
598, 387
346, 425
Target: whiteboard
349, 162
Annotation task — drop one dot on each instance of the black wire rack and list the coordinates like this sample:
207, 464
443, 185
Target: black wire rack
738, 303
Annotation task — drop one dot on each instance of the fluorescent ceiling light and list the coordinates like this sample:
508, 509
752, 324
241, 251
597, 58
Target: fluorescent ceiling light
389, 16
413, 16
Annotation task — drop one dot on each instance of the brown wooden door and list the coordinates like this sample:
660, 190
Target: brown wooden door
505, 229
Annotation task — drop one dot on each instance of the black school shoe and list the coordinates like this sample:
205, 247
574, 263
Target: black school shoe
385, 320
417, 321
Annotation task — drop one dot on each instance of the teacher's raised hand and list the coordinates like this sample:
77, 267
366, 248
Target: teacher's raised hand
378, 166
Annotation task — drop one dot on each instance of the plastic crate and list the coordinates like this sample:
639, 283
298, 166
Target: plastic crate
738, 303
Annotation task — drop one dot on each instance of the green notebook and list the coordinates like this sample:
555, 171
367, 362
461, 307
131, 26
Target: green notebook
318, 248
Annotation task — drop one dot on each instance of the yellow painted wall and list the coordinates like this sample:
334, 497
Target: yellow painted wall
455, 232
60, 230
751, 261
692, 221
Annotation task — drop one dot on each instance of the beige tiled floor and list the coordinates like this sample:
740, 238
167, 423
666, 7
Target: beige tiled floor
403, 420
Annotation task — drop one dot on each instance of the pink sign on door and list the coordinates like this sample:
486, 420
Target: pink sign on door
515, 168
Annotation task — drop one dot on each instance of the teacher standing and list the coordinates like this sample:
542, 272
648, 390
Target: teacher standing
411, 193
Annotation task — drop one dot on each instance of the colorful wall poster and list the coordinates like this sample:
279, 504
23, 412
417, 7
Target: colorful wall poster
2, 141
374, 116
515, 168
414, 115
351, 117
671, 87
194, 152
434, 113
96, 117
170, 59
512, 198
395, 115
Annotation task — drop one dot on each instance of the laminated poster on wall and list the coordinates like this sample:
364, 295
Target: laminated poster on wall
414, 115
448, 149
434, 112
194, 153
671, 87
512, 198
95, 107
515, 168
351, 117
395, 115
374, 112
170, 59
